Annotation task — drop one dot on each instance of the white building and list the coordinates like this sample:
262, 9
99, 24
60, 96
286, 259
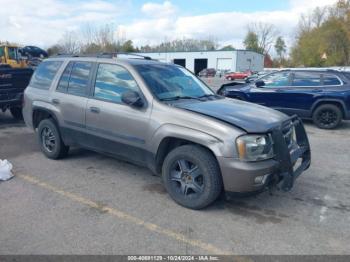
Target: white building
234, 61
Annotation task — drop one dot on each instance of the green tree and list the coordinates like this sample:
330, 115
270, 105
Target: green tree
128, 46
325, 41
228, 48
280, 48
251, 42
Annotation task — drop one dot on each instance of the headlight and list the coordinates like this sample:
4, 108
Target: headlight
254, 147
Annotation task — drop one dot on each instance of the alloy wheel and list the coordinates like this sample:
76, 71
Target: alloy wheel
48, 139
327, 117
187, 178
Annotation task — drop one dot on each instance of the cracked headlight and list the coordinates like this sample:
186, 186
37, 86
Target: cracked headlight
255, 147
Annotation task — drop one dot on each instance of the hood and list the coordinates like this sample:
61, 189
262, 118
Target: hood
250, 117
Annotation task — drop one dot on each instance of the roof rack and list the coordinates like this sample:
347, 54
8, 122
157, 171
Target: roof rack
112, 55
105, 55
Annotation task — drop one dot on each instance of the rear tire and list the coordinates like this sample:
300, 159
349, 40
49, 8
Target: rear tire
327, 116
192, 176
16, 112
51, 143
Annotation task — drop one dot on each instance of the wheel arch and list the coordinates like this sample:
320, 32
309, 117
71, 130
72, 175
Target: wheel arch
336, 102
41, 113
163, 142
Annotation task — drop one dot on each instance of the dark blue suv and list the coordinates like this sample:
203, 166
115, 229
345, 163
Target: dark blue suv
322, 95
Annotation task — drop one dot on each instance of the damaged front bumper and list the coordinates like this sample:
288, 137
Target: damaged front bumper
292, 157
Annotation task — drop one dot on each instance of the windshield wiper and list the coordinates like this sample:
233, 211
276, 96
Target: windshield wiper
177, 98
207, 96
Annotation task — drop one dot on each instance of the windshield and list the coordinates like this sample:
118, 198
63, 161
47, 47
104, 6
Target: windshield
12, 53
168, 81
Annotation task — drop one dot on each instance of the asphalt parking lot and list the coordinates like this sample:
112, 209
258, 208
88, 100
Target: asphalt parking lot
93, 204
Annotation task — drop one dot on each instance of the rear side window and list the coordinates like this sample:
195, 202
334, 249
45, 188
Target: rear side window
331, 80
79, 78
306, 79
112, 81
63, 83
45, 74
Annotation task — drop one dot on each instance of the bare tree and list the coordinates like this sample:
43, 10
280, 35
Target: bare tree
70, 43
99, 39
319, 15
183, 45
312, 19
266, 34
87, 34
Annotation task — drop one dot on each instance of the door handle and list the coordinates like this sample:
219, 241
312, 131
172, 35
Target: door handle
95, 110
55, 101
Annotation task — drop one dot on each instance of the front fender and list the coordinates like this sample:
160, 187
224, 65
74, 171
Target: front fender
215, 144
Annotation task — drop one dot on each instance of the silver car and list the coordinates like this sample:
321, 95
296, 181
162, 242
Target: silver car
163, 117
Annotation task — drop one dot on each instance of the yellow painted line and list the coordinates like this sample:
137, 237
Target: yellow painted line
127, 217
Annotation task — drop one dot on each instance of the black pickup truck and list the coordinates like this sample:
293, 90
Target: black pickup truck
13, 81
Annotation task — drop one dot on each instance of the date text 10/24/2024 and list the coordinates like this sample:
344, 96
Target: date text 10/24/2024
173, 258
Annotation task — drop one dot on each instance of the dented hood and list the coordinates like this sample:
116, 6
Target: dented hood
250, 117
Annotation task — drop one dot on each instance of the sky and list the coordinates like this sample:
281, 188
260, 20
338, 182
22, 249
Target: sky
44, 22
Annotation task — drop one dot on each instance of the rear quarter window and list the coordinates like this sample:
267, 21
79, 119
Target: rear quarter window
331, 80
44, 74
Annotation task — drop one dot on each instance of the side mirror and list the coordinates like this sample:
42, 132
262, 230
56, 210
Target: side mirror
260, 83
132, 98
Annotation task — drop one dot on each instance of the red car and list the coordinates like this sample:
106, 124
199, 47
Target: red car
238, 75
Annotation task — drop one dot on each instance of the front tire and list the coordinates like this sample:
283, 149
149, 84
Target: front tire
16, 112
192, 176
51, 143
327, 116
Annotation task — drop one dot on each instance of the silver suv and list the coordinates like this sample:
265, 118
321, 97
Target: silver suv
161, 116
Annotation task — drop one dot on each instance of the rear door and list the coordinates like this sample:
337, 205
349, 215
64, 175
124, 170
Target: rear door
306, 86
71, 97
113, 126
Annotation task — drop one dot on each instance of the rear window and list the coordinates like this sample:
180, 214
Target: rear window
44, 74
331, 80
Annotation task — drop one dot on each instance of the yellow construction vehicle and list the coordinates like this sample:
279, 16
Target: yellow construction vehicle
9, 55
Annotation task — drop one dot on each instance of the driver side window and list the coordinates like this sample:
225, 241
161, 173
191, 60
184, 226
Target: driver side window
112, 81
275, 80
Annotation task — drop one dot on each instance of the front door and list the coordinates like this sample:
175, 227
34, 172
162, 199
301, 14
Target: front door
113, 126
273, 92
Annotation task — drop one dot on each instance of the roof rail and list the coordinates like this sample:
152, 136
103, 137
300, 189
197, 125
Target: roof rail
115, 54
105, 55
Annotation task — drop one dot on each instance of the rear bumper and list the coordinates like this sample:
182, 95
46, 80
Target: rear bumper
288, 164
